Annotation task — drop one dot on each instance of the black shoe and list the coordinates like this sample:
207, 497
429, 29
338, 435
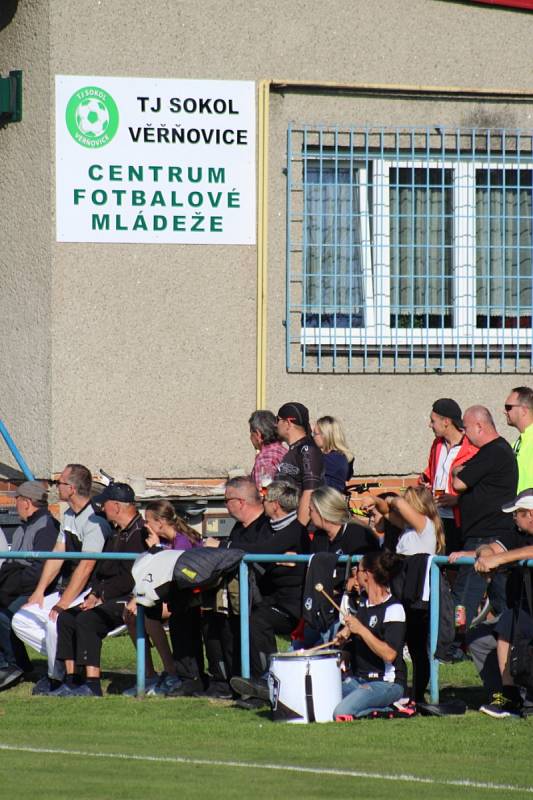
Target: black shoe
249, 687
220, 690
189, 688
45, 686
9, 676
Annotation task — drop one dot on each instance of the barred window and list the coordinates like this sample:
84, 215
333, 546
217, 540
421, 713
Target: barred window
409, 249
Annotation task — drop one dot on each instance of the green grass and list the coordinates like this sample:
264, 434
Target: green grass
472, 747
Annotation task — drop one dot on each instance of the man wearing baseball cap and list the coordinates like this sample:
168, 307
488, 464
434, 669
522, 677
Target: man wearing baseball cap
82, 628
19, 577
450, 448
303, 463
489, 643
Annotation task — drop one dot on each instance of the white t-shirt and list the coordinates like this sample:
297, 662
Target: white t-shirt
442, 474
410, 542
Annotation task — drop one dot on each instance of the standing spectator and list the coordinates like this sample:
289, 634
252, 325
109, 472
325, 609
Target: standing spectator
81, 531
303, 463
338, 459
485, 483
422, 532
450, 448
519, 413
270, 451
19, 577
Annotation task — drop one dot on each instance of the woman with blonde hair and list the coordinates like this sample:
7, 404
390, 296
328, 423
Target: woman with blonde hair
421, 532
338, 459
417, 515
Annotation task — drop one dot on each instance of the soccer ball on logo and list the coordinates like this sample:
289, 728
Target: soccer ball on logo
92, 117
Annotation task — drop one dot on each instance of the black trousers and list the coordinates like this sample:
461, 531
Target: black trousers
184, 627
265, 621
222, 644
417, 640
80, 633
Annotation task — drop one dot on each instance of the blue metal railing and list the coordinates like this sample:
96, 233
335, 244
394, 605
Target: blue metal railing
139, 623
17, 455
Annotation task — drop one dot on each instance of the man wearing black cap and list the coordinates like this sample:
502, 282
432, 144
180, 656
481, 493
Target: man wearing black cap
303, 463
81, 629
450, 448
81, 530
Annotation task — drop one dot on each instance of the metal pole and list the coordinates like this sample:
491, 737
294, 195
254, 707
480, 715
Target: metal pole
434, 603
244, 605
141, 650
17, 455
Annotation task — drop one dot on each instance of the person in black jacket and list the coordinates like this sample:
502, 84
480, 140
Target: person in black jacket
280, 584
82, 629
19, 577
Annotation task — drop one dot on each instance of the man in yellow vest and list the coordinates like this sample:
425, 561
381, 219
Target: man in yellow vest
519, 414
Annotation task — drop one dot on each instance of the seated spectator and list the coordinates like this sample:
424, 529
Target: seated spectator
220, 627
338, 534
375, 638
165, 528
80, 530
450, 449
280, 584
19, 577
338, 460
270, 450
490, 642
82, 628
335, 529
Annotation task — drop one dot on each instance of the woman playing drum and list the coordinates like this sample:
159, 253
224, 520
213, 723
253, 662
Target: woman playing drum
376, 635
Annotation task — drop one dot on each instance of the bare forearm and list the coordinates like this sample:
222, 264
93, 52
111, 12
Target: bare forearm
303, 506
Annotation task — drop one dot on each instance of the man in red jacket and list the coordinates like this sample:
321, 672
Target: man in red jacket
450, 449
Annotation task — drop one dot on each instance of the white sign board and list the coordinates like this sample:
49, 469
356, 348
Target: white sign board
145, 160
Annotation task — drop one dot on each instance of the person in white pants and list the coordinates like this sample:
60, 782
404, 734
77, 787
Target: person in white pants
81, 531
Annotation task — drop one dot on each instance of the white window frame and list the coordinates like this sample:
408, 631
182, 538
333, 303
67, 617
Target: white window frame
375, 261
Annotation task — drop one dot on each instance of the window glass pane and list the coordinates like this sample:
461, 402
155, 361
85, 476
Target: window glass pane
421, 240
504, 248
332, 256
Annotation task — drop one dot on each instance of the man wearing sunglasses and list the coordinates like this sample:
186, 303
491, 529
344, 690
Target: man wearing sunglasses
519, 414
303, 463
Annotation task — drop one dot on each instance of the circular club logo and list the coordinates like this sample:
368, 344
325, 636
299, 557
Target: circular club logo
92, 117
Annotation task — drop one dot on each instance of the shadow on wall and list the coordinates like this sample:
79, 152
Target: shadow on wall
8, 9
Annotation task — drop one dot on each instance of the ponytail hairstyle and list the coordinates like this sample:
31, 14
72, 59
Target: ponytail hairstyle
382, 565
423, 501
165, 511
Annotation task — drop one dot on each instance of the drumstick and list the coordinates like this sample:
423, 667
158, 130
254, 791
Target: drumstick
320, 588
319, 647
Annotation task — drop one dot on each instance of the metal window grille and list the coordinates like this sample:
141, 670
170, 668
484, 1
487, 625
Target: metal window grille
409, 250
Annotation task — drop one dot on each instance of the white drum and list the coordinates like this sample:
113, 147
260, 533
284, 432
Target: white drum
304, 688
